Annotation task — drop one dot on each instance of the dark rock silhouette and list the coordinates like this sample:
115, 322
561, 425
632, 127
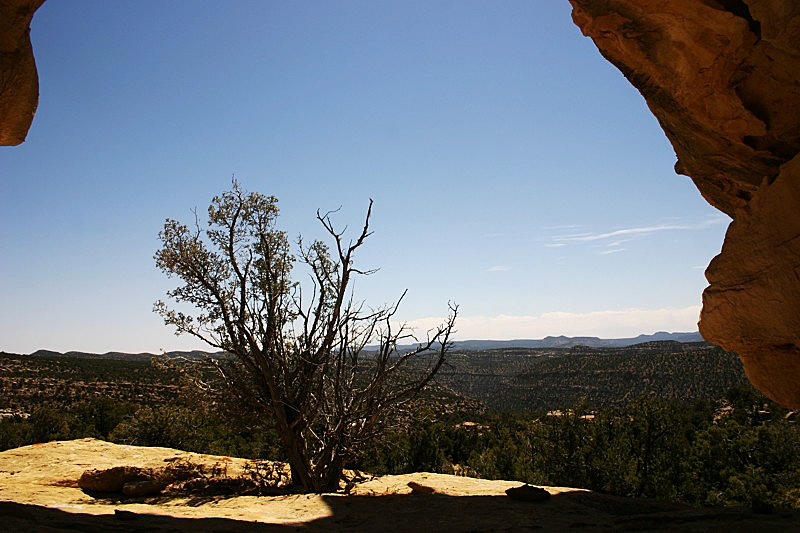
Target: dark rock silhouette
528, 493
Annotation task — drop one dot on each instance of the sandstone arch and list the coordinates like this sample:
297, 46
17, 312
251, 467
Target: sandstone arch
723, 79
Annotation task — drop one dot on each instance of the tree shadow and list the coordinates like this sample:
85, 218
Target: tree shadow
567, 511
194, 498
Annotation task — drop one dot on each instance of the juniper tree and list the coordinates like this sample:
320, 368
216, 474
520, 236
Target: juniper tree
326, 367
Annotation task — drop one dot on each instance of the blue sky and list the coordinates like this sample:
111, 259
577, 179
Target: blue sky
514, 171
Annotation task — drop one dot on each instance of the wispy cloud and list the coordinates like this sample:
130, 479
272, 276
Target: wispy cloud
555, 245
562, 226
612, 323
632, 232
498, 268
612, 251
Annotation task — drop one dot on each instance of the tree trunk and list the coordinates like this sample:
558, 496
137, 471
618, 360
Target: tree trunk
295, 450
311, 477
331, 476
301, 476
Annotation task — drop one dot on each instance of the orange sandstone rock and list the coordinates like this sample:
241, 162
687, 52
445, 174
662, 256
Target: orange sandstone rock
723, 80
19, 83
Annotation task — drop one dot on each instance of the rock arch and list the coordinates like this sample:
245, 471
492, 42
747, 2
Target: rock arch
723, 79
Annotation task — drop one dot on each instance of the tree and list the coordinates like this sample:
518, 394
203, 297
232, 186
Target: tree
328, 368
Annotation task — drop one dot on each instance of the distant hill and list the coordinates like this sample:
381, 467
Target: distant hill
122, 356
509, 379
569, 342
542, 379
547, 342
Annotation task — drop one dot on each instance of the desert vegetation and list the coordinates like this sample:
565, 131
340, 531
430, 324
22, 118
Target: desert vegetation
738, 450
730, 448
534, 380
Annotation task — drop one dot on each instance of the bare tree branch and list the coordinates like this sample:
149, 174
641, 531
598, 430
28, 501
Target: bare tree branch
331, 388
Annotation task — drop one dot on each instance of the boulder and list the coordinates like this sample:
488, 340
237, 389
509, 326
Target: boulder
527, 493
113, 479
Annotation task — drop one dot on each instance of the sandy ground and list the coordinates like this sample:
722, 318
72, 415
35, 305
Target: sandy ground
38, 492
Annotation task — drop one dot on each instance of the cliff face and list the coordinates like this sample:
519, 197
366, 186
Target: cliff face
19, 84
723, 79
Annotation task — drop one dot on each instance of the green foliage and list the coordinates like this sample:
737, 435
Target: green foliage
49, 424
101, 415
92, 418
191, 429
169, 426
15, 432
701, 454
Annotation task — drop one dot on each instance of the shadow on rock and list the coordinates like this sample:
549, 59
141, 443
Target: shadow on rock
568, 511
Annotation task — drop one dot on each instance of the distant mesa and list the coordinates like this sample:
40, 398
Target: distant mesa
193, 355
570, 342
548, 342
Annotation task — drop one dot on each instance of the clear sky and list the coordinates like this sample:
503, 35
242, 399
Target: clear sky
514, 170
